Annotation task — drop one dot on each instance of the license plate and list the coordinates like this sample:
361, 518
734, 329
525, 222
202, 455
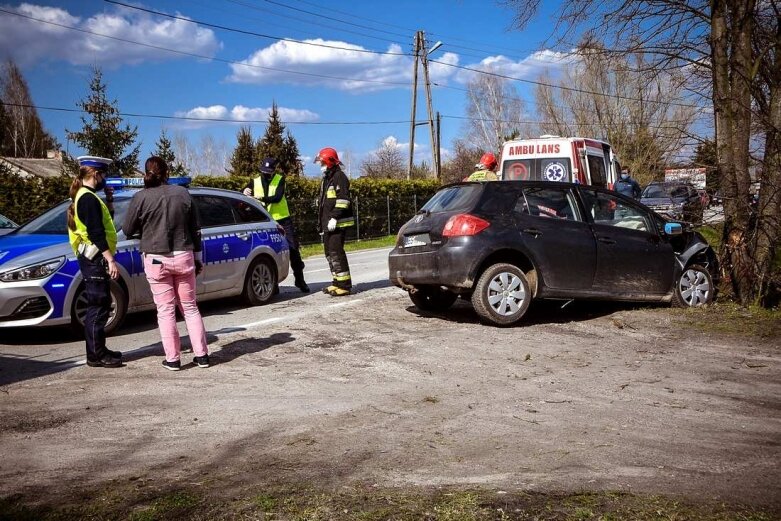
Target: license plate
416, 240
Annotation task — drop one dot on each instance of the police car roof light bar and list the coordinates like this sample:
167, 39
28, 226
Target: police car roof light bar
121, 183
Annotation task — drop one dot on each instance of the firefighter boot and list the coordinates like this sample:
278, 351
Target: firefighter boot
329, 289
339, 292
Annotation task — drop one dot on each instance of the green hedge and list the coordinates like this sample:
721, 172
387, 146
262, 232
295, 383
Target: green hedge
22, 198
382, 205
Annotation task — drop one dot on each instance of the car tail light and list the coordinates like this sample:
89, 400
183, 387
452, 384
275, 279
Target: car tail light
463, 224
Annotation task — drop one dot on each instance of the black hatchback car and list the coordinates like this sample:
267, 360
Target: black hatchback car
504, 244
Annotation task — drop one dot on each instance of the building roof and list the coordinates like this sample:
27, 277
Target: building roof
26, 167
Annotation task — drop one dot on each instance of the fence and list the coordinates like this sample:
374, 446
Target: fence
374, 216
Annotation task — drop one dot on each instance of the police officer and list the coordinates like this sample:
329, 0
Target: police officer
269, 189
628, 186
335, 215
93, 238
485, 169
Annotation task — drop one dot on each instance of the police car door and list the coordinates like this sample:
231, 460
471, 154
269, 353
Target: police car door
226, 244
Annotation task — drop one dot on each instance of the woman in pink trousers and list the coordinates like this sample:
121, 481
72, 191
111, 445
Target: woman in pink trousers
164, 218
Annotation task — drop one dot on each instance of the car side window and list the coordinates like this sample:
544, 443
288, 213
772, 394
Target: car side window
246, 212
213, 211
610, 210
548, 203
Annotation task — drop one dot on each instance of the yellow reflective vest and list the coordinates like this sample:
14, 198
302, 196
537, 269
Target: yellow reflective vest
79, 235
278, 210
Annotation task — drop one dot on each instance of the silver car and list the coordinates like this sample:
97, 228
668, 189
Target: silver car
244, 253
6, 225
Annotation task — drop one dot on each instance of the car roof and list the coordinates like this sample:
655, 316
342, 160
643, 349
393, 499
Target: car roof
196, 190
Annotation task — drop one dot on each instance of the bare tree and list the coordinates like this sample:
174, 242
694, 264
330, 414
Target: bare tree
720, 38
616, 101
494, 112
462, 163
209, 157
386, 162
22, 134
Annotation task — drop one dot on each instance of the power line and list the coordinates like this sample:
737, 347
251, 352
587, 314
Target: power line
251, 33
196, 55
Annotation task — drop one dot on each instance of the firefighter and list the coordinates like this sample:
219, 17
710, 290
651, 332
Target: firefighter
269, 189
335, 215
485, 169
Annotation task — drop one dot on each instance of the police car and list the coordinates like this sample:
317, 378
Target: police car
244, 253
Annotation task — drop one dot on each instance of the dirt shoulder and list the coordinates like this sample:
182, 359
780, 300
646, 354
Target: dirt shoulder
590, 398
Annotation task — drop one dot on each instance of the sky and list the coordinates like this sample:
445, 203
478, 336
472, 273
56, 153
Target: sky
345, 83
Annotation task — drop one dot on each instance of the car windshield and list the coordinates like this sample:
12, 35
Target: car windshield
453, 198
661, 191
5, 222
54, 221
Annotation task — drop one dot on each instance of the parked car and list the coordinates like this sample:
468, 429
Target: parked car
502, 245
678, 201
7, 225
244, 252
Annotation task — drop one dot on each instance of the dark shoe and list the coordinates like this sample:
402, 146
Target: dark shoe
106, 361
114, 354
172, 366
301, 284
201, 361
339, 292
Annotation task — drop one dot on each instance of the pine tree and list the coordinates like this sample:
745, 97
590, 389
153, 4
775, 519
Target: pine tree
243, 161
164, 150
276, 144
102, 133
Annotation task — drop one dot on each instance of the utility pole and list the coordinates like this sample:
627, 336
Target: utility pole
421, 53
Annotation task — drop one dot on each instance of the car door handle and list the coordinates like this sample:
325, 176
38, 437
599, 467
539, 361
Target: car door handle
244, 236
533, 232
606, 240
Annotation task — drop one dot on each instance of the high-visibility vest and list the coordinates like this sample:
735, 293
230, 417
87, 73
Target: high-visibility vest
277, 210
79, 235
482, 175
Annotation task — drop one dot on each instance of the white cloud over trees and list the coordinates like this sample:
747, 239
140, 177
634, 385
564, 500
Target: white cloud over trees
240, 114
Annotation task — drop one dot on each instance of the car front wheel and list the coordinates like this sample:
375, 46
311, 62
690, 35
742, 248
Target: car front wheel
260, 282
115, 317
432, 298
694, 287
501, 296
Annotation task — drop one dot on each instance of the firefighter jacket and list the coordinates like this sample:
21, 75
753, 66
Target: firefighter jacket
334, 202
483, 175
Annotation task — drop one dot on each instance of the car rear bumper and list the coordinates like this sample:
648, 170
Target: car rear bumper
449, 265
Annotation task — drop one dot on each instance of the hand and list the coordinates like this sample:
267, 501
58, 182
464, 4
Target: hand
109, 191
332, 224
198, 267
247, 192
113, 270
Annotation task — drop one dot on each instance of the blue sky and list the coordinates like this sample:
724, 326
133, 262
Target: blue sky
236, 76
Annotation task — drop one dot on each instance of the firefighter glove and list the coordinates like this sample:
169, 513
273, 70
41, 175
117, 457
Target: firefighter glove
332, 224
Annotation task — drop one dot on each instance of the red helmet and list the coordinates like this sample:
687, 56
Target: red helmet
328, 157
488, 161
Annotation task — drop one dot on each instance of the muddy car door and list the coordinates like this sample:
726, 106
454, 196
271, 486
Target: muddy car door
632, 259
557, 237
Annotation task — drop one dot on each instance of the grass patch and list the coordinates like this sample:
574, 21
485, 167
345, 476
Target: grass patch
729, 318
370, 503
308, 250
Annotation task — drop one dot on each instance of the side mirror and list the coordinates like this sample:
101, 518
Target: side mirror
673, 229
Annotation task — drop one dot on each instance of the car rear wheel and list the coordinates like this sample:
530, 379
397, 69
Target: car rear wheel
116, 315
694, 287
501, 296
260, 283
432, 298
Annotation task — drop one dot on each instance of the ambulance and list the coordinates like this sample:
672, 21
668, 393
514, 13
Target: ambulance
553, 158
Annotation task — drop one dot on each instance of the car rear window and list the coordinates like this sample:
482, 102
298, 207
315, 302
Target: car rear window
454, 198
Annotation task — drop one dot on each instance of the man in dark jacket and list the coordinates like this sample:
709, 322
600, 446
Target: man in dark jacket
269, 189
628, 186
335, 215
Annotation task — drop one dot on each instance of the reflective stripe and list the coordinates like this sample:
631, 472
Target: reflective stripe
330, 193
342, 203
346, 222
343, 276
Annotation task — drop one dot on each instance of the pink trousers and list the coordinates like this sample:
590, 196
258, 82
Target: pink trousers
172, 280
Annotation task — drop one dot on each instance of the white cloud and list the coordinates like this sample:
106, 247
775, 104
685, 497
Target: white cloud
240, 113
324, 66
29, 41
530, 67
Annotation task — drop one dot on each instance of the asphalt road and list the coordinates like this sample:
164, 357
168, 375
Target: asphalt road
223, 318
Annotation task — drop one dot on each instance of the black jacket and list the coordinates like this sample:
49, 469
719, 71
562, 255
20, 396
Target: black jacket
165, 219
334, 201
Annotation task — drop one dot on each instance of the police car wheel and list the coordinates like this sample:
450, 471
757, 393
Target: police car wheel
502, 295
260, 283
432, 298
116, 315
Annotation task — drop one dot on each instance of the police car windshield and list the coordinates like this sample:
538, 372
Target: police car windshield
54, 221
